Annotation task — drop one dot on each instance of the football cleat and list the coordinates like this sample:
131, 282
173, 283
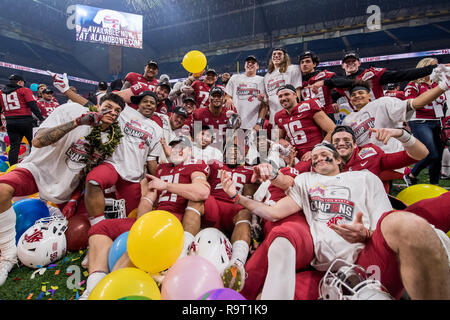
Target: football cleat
5, 267
234, 277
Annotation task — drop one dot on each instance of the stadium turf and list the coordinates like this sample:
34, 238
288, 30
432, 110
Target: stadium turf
59, 283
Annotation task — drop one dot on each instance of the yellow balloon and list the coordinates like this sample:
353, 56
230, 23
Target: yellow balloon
133, 213
126, 282
155, 241
419, 192
12, 168
194, 61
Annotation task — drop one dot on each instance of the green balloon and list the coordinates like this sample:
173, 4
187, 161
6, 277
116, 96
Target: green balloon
134, 298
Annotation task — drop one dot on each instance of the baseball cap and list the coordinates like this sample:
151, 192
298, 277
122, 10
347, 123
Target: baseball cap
103, 85
47, 91
342, 128
216, 90
189, 99
153, 62
251, 57
350, 54
287, 86
180, 111
311, 55
278, 49
16, 77
391, 86
165, 84
211, 71
181, 139
137, 99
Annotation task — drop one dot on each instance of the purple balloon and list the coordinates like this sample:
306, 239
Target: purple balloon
222, 294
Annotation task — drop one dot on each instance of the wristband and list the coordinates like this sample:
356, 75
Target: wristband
407, 139
148, 199
235, 197
275, 176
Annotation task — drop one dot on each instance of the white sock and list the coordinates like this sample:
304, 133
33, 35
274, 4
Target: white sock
97, 219
8, 234
94, 279
188, 238
280, 278
240, 252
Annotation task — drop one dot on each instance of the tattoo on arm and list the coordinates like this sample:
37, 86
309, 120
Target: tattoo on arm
48, 136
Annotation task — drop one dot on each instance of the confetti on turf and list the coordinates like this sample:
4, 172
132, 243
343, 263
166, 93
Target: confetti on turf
54, 288
56, 272
40, 296
51, 266
81, 283
51, 291
75, 259
86, 274
44, 288
77, 296
17, 279
30, 295
66, 259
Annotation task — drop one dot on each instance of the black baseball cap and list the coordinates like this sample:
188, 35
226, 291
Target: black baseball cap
211, 71
16, 77
152, 63
180, 111
278, 49
310, 54
189, 99
251, 57
350, 54
181, 139
137, 99
165, 84
216, 90
47, 91
287, 86
103, 85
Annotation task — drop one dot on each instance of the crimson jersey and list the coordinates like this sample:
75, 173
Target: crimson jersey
370, 157
395, 94
47, 107
201, 92
373, 75
413, 90
375, 160
241, 176
15, 103
139, 87
301, 130
134, 78
324, 94
162, 108
177, 174
219, 123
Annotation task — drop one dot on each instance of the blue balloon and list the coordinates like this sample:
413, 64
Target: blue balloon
3, 166
118, 248
28, 211
34, 87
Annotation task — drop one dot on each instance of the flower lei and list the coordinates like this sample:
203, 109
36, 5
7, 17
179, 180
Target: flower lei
96, 144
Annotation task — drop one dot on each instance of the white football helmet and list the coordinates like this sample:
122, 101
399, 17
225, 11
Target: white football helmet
350, 282
43, 243
212, 244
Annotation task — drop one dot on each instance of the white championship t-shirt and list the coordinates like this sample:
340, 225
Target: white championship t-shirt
384, 112
167, 133
337, 199
244, 91
140, 143
274, 80
56, 168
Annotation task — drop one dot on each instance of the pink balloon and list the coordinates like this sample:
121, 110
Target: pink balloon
189, 278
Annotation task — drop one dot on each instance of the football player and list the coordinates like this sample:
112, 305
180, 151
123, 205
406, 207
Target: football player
18, 103
280, 72
386, 112
148, 78
234, 219
245, 94
301, 124
46, 103
175, 186
202, 88
54, 172
378, 77
350, 218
